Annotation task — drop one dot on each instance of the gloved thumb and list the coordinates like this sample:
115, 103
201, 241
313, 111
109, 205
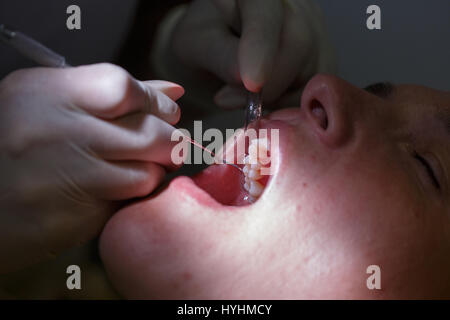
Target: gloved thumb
261, 28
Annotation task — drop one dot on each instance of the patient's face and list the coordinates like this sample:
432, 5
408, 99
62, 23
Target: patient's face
361, 178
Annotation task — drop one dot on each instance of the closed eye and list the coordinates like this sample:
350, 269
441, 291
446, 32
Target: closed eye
428, 168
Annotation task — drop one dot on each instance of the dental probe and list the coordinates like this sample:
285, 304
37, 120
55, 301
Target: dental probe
195, 143
31, 49
253, 110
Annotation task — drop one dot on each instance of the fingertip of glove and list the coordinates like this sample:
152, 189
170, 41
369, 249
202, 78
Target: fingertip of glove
174, 92
253, 84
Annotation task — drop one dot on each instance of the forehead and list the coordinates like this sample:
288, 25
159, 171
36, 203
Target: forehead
420, 95
424, 103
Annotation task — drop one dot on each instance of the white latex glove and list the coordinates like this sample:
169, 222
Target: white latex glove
74, 143
274, 45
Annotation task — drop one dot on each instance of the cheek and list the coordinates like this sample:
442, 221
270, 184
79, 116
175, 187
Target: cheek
351, 186
157, 250
351, 202
359, 199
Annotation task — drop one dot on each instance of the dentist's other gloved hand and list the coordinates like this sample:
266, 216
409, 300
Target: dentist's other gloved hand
274, 45
74, 143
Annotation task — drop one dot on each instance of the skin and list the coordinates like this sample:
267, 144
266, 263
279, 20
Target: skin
342, 198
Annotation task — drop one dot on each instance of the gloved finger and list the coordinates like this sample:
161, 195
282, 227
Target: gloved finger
204, 41
170, 89
261, 26
138, 137
230, 13
294, 58
231, 97
108, 91
161, 105
119, 180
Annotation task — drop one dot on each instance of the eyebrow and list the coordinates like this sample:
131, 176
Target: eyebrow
384, 90
380, 89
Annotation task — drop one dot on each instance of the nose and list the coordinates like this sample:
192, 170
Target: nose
329, 105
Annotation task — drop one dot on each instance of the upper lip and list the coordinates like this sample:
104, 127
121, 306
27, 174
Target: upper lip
288, 115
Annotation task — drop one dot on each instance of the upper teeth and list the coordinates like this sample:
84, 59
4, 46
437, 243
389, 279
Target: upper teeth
253, 162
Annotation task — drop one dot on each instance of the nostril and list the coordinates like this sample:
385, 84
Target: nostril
319, 113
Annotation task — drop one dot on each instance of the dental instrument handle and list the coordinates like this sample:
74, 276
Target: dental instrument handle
31, 49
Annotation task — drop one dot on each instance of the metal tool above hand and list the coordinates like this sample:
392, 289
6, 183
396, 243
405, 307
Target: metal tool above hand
253, 110
31, 49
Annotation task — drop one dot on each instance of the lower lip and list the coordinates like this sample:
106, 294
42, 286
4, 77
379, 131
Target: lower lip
185, 186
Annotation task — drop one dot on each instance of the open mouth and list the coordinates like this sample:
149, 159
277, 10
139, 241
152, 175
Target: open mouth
229, 186
232, 187
222, 185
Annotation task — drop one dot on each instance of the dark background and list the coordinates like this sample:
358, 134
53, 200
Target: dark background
413, 45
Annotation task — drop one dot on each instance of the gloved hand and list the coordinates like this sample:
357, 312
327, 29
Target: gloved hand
74, 143
274, 45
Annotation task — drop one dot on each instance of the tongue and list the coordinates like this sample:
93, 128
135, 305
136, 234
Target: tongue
223, 183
